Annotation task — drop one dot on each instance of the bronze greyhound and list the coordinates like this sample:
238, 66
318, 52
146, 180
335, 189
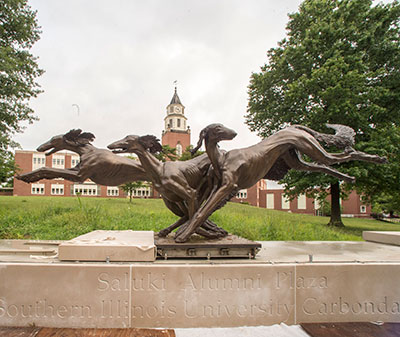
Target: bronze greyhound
183, 185
99, 165
242, 168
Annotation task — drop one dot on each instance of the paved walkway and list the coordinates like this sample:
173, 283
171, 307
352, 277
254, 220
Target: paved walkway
280, 330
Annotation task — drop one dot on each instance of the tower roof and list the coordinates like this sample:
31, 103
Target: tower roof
175, 99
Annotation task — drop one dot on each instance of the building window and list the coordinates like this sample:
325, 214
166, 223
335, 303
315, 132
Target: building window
171, 124
37, 189
57, 189
301, 201
242, 194
179, 122
142, 192
178, 150
58, 161
38, 161
317, 204
85, 189
270, 201
363, 209
112, 191
285, 202
74, 161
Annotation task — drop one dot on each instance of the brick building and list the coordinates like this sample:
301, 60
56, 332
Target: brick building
270, 195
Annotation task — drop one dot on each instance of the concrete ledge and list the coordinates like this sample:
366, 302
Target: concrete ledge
390, 238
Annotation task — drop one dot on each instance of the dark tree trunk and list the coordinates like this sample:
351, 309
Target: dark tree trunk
336, 219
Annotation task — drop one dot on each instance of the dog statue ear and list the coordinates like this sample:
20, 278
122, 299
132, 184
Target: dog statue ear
203, 134
150, 143
85, 138
71, 137
73, 134
75, 137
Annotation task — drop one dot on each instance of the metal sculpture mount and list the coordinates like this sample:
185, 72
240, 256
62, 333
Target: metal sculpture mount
196, 188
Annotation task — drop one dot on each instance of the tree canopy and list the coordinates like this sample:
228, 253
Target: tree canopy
338, 64
19, 30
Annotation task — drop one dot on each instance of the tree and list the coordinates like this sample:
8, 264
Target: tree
19, 30
338, 64
167, 153
385, 203
187, 155
130, 187
7, 168
381, 183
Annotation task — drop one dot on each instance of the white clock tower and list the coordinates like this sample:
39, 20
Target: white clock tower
175, 119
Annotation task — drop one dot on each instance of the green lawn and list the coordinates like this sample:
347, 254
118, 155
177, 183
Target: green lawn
55, 218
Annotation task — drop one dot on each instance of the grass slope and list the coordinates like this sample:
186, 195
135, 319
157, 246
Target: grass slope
55, 218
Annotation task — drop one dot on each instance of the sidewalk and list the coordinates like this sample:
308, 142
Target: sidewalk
276, 330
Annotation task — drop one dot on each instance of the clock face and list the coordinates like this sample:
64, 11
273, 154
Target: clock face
177, 109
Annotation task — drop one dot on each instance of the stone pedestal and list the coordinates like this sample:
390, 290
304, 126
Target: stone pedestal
126, 246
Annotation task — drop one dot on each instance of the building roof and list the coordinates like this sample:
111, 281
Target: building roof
175, 99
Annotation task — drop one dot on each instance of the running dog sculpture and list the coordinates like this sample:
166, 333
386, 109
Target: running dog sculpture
99, 165
242, 168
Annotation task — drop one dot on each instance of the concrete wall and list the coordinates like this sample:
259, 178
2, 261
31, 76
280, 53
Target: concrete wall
193, 295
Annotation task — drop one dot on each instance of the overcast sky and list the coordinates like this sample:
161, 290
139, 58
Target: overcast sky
110, 65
